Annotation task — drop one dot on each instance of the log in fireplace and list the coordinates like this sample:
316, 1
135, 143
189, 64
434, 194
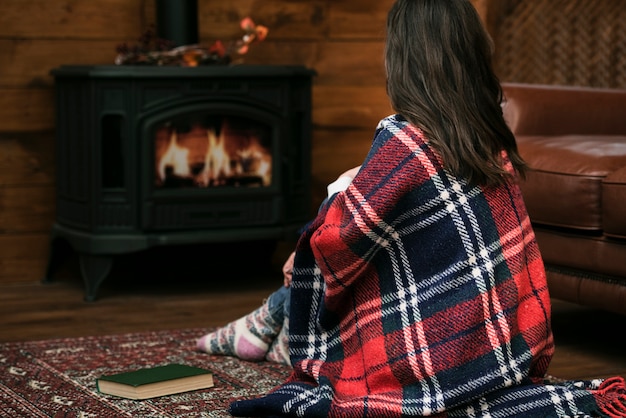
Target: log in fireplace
150, 156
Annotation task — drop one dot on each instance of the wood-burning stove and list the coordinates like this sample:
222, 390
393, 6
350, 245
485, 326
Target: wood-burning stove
151, 156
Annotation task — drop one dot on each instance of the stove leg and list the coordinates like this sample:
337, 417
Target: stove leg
94, 269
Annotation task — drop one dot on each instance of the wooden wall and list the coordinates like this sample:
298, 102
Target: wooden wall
341, 40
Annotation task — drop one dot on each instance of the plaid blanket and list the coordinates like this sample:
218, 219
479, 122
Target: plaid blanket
416, 294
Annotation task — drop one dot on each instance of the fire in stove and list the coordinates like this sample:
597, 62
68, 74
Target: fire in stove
223, 153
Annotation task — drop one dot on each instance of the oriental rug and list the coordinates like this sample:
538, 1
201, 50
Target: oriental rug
57, 378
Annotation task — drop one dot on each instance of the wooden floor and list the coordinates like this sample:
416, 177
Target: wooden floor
168, 290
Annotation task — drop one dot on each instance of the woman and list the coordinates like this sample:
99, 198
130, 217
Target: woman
419, 290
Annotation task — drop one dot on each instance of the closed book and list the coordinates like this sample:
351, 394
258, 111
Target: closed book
155, 381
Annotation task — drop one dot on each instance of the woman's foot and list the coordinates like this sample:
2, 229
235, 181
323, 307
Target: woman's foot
248, 338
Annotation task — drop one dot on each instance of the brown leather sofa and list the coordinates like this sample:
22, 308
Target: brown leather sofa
574, 140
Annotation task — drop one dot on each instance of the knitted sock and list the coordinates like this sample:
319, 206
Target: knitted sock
279, 349
248, 337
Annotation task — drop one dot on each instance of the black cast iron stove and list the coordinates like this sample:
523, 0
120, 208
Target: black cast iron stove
150, 156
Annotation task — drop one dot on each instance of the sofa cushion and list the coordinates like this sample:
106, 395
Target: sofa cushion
614, 203
588, 254
534, 109
564, 186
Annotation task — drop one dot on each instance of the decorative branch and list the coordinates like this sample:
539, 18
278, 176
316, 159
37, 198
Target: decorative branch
151, 50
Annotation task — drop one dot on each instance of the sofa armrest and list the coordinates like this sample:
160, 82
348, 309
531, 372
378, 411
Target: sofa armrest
534, 109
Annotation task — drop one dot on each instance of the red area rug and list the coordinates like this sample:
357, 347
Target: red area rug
57, 378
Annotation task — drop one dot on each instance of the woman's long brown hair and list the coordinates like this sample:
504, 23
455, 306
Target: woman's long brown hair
440, 78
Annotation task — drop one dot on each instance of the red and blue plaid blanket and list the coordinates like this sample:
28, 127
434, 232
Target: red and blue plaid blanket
416, 294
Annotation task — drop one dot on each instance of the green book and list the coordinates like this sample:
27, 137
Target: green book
155, 381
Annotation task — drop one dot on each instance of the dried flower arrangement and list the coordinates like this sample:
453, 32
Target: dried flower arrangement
151, 50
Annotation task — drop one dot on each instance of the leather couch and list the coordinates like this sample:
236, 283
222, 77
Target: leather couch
574, 140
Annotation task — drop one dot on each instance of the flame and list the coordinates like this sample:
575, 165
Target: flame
217, 160
252, 160
175, 158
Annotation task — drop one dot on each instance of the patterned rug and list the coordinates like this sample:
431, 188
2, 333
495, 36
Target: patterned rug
57, 378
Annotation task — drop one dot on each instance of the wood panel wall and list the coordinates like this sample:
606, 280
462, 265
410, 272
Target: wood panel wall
341, 40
